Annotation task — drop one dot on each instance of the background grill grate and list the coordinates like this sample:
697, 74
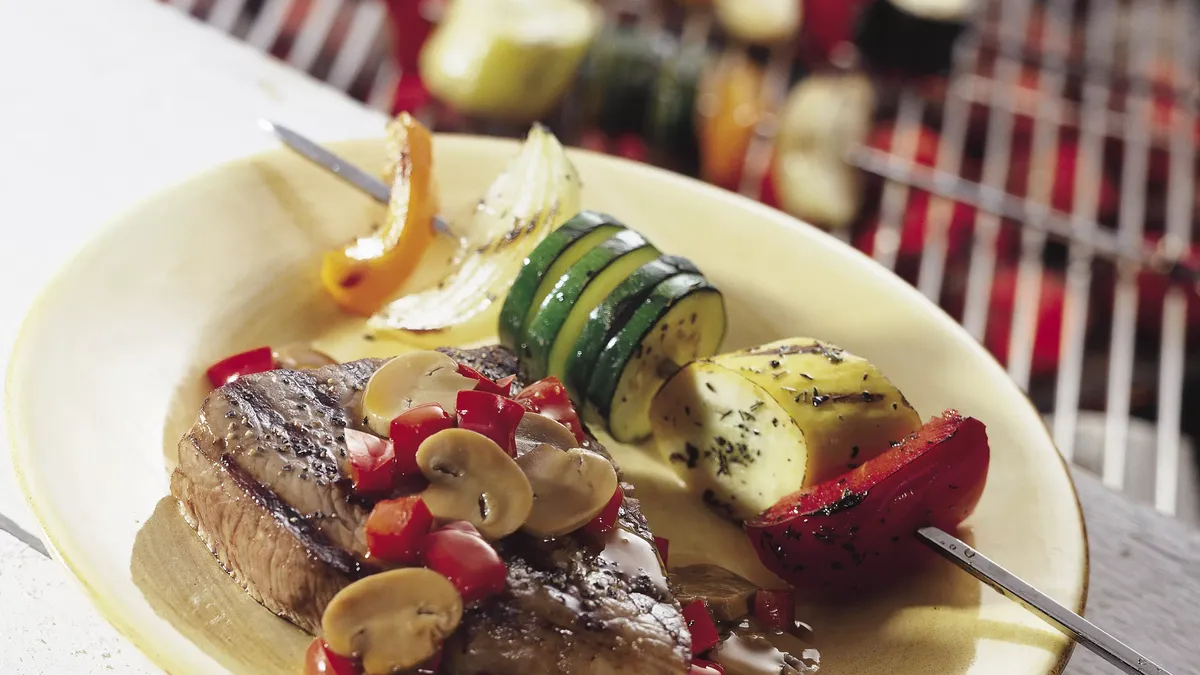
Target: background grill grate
1115, 80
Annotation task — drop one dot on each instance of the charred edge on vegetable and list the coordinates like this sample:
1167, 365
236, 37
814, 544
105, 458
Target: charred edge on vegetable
848, 500
833, 354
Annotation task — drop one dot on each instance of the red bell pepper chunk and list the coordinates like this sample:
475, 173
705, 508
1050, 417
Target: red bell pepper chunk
321, 660
663, 545
397, 529
371, 462
410, 429
459, 553
604, 523
702, 667
849, 532
227, 370
549, 397
491, 415
775, 608
700, 623
483, 383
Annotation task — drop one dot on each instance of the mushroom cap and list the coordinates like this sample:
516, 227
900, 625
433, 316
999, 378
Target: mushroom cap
536, 429
393, 620
409, 380
473, 479
570, 488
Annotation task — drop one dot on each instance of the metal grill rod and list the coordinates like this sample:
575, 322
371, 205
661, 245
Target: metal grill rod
1030, 214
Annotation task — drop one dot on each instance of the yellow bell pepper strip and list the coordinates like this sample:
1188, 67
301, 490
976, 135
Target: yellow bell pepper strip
728, 108
362, 275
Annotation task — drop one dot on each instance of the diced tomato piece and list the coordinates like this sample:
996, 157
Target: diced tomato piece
483, 383
700, 623
491, 415
227, 370
855, 530
663, 545
775, 608
461, 555
702, 667
548, 397
371, 462
607, 520
321, 660
410, 429
397, 529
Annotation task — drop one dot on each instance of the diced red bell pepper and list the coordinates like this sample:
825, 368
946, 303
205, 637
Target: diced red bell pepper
483, 383
321, 660
397, 529
604, 523
459, 553
548, 397
702, 667
227, 370
775, 608
491, 415
852, 531
663, 545
371, 462
410, 429
701, 626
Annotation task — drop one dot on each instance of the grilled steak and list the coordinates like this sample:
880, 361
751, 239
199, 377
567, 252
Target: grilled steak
260, 479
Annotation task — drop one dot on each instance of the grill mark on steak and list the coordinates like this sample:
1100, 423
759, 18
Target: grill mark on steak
268, 448
296, 524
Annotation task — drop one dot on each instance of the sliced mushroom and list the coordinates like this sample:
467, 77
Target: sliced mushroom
409, 380
536, 429
473, 479
569, 488
726, 594
301, 356
393, 620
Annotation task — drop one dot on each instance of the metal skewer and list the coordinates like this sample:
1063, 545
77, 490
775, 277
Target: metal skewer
339, 167
1011, 586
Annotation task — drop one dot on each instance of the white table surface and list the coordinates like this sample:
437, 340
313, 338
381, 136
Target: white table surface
104, 102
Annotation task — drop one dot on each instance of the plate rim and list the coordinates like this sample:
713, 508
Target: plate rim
20, 451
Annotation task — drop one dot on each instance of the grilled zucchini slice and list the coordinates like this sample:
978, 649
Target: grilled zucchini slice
683, 319
546, 263
599, 270
734, 445
848, 410
603, 321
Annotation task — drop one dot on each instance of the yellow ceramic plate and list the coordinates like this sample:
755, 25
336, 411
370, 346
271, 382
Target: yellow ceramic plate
107, 375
